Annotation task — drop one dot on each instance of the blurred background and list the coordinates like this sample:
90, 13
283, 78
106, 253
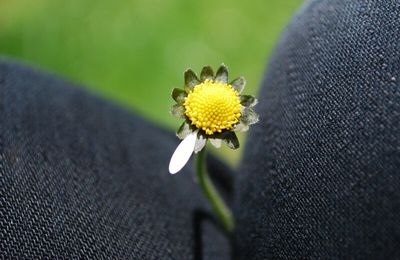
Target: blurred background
135, 51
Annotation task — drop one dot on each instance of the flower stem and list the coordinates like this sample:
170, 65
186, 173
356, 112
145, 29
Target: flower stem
222, 211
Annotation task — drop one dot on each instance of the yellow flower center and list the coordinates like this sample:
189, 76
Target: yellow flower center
213, 106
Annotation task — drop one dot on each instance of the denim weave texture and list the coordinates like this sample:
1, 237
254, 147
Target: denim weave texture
320, 178
81, 178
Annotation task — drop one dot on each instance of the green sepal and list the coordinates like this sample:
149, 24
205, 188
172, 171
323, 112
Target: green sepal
222, 74
206, 73
178, 95
249, 116
178, 110
238, 84
248, 100
191, 80
200, 142
228, 137
184, 130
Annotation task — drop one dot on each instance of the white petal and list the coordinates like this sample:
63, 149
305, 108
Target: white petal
216, 142
182, 153
200, 143
241, 127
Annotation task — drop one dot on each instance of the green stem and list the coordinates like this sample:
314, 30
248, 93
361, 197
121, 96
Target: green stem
223, 213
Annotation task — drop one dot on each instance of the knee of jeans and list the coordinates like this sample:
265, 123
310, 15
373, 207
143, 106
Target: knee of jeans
321, 166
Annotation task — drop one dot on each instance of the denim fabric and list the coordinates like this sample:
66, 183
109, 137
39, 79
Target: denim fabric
81, 178
320, 178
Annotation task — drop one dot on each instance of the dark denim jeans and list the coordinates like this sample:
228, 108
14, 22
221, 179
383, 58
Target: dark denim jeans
321, 173
83, 179
320, 178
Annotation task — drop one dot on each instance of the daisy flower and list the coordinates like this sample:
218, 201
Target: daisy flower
213, 110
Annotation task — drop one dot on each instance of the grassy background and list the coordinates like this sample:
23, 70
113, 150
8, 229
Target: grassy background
135, 51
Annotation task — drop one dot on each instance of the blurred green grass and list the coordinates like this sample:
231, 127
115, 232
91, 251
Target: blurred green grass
135, 51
